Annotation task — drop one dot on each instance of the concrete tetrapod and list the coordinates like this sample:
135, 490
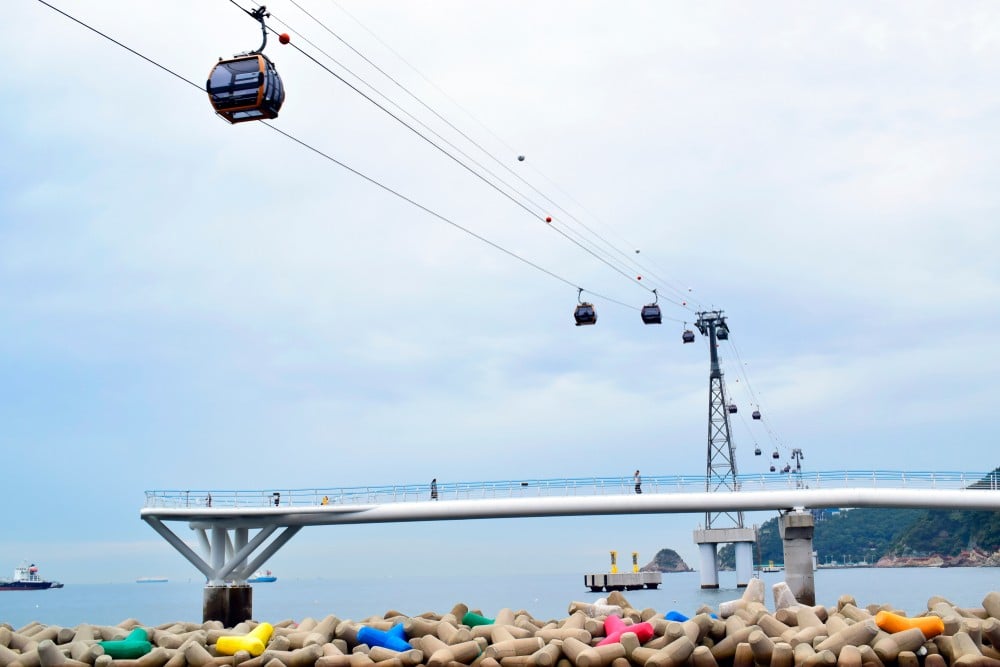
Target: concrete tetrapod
888, 648
849, 656
473, 619
50, 656
806, 636
672, 655
614, 627
762, 647
394, 638
931, 626
859, 633
253, 642
991, 603
135, 645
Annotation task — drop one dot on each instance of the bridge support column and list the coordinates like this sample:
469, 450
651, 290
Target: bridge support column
229, 604
744, 563
709, 569
796, 530
708, 541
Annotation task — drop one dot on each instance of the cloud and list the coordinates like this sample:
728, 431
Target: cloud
187, 304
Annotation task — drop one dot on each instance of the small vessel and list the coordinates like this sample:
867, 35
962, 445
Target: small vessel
26, 579
771, 567
262, 577
151, 580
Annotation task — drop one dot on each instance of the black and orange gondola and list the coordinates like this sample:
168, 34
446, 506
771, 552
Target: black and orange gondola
651, 311
584, 313
247, 86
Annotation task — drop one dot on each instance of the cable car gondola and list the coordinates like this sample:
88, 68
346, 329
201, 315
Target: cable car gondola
722, 333
651, 311
247, 86
732, 408
584, 313
688, 336
755, 414
756, 451
651, 314
775, 455
772, 468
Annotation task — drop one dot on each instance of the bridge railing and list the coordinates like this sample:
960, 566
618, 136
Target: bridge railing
574, 486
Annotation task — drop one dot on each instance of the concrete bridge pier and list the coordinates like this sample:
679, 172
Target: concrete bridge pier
229, 604
744, 562
709, 570
796, 529
708, 541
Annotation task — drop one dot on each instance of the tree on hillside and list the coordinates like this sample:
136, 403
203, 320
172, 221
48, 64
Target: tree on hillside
858, 535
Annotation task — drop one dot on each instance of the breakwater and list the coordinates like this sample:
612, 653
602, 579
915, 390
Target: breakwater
742, 632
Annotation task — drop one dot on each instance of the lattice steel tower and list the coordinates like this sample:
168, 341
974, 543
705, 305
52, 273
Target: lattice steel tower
720, 472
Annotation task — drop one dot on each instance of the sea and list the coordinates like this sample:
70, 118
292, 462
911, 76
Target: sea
543, 596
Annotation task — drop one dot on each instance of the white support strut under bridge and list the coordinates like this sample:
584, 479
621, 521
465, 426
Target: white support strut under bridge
223, 520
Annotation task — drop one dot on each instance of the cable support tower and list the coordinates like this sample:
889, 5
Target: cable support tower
720, 469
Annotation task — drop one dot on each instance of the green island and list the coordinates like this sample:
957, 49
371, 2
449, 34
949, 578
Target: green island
870, 537
890, 538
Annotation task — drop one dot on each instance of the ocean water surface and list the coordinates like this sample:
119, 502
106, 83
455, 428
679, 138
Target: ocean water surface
544, 596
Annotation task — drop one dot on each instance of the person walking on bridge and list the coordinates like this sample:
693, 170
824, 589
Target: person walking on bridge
638, 482
434, 489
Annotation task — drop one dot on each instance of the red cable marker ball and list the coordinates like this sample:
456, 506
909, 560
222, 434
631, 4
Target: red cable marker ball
548, 218
284, 38
638, 277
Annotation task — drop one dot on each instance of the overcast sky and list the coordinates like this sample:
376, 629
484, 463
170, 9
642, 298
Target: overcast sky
186, 304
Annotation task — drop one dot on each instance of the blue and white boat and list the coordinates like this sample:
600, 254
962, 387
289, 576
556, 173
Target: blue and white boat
262, 577
26, 579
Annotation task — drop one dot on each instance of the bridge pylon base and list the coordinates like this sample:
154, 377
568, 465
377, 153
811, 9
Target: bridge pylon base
709, 570
229, 604
796, 530
708, 541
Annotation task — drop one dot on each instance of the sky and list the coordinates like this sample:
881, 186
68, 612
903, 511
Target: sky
186, 304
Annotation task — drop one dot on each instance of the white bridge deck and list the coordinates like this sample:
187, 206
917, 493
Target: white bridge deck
230, 515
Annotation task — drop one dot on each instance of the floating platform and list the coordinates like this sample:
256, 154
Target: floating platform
622, 581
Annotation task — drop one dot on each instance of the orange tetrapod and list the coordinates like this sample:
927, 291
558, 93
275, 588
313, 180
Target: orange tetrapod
931, 626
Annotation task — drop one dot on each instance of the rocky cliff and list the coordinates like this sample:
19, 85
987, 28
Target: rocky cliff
666, 560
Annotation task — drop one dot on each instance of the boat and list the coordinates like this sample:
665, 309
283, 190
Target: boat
262, 577
26, 579
771, 567
151, 580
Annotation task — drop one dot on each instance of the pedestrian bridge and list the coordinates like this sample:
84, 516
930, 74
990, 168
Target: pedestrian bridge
223, 519
563, 487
